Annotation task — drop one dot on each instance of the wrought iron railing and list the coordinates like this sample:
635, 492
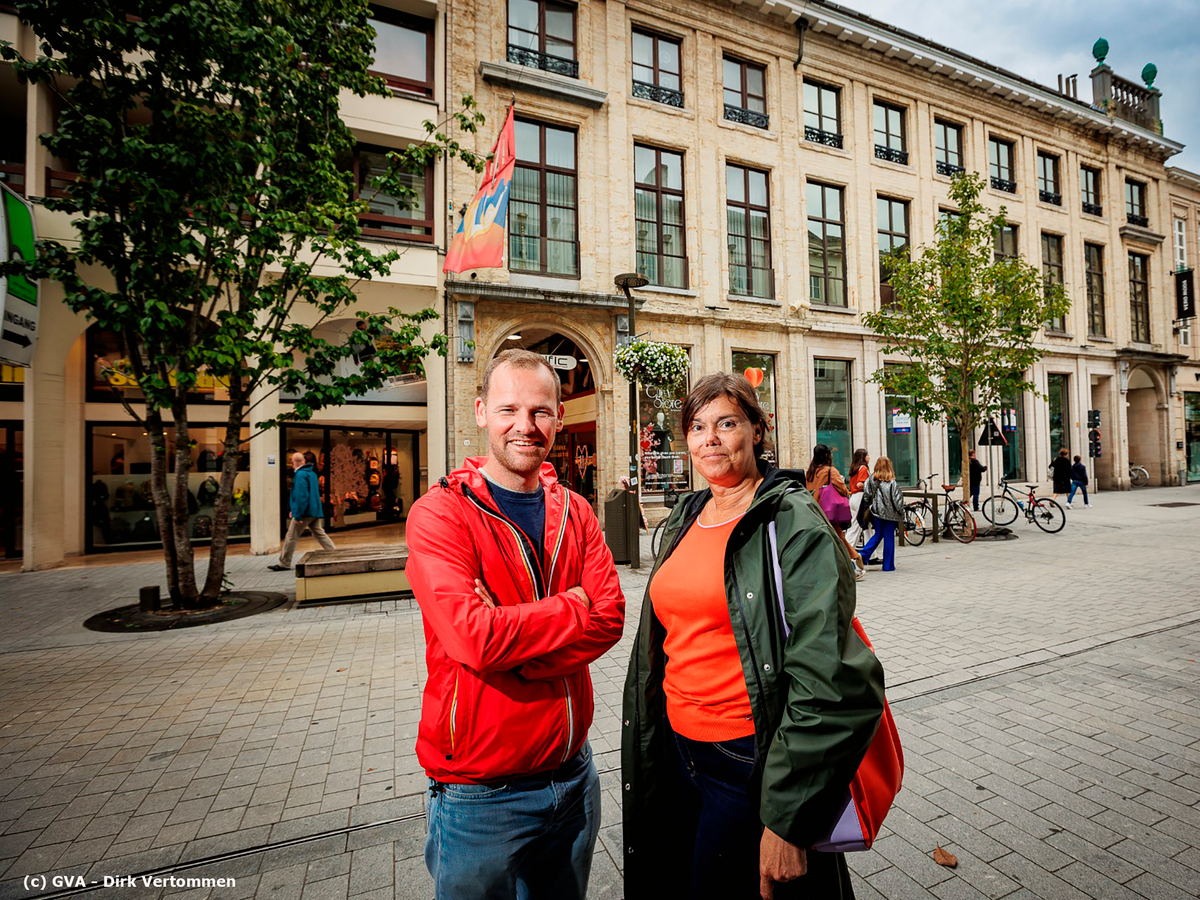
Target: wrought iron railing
896, 156
658, 94
1003, 184
1050, 197
817, 136
945, 168
1094, 209
746, 116
523, 56
1135, 219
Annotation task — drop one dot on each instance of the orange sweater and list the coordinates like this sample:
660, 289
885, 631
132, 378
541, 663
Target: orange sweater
704, 684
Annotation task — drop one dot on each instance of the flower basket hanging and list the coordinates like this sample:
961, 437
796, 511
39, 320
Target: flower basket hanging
652, 363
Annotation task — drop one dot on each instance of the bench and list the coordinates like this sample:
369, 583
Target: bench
352, 574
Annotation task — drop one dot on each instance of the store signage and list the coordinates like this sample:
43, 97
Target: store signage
18, 294
1185, 295
901, 421
563, 363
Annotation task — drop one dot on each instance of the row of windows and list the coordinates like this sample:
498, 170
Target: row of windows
543, 235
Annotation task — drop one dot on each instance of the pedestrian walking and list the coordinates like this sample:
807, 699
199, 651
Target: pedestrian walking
860, 471
519, 594
887, 506
822, 473
1060, 471
1079, 482
306, 511
976, 474
736, 750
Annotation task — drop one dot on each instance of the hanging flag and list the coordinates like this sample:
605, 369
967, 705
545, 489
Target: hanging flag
481, 236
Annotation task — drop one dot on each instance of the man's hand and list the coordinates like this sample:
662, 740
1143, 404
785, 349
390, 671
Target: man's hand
482, 593
778, 861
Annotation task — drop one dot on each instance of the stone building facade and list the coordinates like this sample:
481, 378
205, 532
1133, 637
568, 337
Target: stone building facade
784, 144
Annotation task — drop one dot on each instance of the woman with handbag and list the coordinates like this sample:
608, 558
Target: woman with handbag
826, 484
860, 471
750, 700
887, 509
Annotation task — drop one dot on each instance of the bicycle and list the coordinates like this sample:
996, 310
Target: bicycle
670, 498
1138, 476
956, 517
1044, 512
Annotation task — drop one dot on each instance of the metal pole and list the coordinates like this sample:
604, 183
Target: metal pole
635, 530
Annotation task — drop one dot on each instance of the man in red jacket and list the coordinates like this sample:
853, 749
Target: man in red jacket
519, 594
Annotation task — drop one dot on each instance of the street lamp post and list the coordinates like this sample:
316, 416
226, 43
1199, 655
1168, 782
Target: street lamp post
625, 282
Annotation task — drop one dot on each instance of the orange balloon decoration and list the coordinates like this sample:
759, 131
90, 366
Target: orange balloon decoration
754, 376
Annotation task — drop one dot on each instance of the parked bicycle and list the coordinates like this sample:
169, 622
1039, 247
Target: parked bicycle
1138, 476
1003, 508
956, 516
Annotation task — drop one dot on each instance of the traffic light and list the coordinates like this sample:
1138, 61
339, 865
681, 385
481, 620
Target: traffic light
1094, 443
1093, 418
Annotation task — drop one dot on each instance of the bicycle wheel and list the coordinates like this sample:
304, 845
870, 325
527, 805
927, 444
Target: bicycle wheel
914, 529
1138, 476
1049, 516
1000, 510
961, 523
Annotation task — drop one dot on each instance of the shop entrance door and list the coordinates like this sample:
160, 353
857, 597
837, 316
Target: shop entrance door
12, 490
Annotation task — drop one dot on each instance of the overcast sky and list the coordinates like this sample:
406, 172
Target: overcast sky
1039, 39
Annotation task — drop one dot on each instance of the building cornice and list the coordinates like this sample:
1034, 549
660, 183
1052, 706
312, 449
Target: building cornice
1183, 176
852, 27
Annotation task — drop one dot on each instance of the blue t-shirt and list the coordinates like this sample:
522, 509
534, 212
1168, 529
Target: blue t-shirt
527, 511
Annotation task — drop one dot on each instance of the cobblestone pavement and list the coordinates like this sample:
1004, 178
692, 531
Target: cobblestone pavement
1047, 691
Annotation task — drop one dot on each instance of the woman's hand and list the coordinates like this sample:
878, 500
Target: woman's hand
778, 861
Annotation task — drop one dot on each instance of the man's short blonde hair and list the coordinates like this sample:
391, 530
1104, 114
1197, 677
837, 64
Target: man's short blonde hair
520, 359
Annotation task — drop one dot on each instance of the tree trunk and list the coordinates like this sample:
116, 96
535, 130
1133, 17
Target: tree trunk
180, 537
156, 429
215, 578
964, 435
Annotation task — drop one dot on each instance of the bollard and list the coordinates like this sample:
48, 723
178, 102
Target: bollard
148, 599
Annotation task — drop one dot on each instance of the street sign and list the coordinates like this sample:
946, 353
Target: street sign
18, 294
991, 436
901, 421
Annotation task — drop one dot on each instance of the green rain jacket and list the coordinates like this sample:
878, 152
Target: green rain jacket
816, 695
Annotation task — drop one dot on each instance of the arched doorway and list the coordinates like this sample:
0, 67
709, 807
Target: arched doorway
1144, 423
574, 455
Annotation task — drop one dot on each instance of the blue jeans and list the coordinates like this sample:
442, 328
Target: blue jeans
884, 531
529, 838
1078, 486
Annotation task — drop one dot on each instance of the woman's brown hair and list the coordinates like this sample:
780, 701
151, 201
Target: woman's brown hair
737, 389
883, 470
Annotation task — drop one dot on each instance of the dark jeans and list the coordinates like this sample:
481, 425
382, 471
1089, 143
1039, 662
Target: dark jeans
975, 497
720, 784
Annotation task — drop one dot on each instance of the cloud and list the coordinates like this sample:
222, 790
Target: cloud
1040, 40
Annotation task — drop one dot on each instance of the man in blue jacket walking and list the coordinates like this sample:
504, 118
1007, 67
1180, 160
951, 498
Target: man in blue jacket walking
306, 512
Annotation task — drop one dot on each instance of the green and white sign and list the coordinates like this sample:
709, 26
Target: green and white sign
18, 294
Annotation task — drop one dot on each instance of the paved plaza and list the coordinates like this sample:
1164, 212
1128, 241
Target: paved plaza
1046, 689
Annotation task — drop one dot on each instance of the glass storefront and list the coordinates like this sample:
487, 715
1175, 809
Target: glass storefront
954, 452
1059, 404
665, 460
1012, 425
12, 489
1191, 420
759, 369
831, 391
366, 476
120, 504
901, 430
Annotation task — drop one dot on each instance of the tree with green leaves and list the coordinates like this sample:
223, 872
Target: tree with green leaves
213, 194
965, 321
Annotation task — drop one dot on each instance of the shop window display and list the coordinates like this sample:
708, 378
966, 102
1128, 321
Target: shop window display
665, 460
759, 369
120, 500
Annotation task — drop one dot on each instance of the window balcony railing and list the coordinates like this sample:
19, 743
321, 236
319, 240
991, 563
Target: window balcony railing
13, 175
658, 94
523, 56
817, 136
746, 116
58, 182
1050, 197
1135, 219
945, 168
1093, 209
397, 227
896, 156
1003, 184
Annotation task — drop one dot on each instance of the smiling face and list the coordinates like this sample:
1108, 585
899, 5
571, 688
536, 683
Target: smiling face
721, 441
521, 417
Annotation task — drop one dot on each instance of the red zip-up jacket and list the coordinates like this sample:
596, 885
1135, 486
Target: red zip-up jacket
508, 691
